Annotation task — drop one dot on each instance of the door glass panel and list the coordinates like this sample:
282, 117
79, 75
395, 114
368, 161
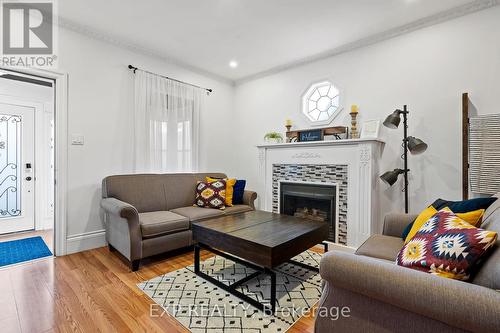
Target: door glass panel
10, 165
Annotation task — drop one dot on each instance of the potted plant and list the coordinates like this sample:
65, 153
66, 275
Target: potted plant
273, 137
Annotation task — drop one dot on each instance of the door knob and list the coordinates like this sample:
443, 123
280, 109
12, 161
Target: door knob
28, 178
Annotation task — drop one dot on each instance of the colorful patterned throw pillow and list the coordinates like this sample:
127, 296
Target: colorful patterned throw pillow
211, 194
466, 206
229, 188
446, 246
475, 217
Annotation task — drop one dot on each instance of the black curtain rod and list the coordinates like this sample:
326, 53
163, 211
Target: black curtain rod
166, 77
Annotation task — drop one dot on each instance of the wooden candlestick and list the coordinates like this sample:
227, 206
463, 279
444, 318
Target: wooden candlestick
354, 128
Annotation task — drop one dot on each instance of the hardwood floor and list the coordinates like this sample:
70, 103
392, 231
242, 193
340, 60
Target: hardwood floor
91, 291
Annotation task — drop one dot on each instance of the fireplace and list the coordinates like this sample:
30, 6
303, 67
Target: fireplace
350, 165
314, 201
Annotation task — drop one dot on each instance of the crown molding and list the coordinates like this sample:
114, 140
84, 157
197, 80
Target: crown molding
136, 48
435, 19
447, 15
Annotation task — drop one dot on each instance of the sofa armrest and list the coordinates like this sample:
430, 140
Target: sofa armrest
123, 229
456, 303
249, 198
119, 208
395, 223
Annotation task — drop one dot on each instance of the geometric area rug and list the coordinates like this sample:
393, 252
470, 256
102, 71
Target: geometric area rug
203, 307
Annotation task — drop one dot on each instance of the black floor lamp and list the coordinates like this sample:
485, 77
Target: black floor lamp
410, 143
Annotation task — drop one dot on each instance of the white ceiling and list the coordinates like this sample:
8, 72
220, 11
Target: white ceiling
259, 34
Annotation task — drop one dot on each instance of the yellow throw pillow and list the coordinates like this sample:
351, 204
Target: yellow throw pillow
474, 218
425, 215
229, 188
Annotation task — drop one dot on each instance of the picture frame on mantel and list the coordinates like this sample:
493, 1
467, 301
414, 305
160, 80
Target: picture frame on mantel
370, 129
311, 135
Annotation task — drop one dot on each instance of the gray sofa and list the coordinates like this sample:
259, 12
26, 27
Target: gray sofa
384, 297
149, 214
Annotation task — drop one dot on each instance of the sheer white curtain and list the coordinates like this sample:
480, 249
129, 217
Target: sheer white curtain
166, 124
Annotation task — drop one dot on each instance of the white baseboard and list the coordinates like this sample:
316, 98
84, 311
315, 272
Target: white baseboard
46, 223
85, 241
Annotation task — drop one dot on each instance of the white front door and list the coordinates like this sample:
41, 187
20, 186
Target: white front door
17, 176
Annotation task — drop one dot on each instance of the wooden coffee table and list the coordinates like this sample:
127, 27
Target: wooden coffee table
259, 240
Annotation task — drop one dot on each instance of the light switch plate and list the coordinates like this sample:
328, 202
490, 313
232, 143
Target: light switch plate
77, 140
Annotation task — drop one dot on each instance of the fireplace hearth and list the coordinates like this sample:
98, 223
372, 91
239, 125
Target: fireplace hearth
314, 201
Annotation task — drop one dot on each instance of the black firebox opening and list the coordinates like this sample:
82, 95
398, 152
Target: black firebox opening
311, 201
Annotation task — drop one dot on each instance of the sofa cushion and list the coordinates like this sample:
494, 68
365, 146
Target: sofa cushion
488, 273
154, 224
381, 247
197, 213
237, 209
495, 207
145, 192
180, 189
155, 192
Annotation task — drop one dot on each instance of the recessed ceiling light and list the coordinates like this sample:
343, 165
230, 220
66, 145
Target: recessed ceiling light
233, 64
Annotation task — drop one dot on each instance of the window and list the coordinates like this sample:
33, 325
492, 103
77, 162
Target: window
184, 153
10, 165
171, 140
166, 135
321, 102
166, 124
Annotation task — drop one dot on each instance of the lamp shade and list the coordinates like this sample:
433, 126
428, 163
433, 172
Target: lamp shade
416, 146
390, 177
393, 120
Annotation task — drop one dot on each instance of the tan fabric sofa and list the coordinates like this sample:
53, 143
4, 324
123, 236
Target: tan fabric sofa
149, 214
384, 297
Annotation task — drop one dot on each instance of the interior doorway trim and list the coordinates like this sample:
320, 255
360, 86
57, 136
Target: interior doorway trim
61, 152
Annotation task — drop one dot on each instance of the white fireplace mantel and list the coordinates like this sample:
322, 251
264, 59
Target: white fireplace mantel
361, 157
318, 143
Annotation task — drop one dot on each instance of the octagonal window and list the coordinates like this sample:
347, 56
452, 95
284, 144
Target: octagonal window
321, 102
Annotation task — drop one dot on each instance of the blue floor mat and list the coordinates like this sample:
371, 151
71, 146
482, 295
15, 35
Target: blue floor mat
13, 252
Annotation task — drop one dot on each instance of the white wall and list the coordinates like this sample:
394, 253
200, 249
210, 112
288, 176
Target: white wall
101, 109
428, 70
